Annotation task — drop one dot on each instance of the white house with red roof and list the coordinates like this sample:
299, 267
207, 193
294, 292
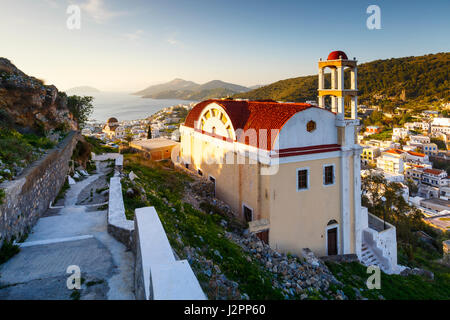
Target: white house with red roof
435, 177
291, 170
392, 161
417, 157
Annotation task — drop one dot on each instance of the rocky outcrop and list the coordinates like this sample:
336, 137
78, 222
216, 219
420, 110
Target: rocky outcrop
30, 105
417, 271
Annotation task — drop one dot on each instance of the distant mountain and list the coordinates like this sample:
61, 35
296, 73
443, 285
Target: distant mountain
82, 90
188, 90
218, 84
417, 82
256, 86
174, 85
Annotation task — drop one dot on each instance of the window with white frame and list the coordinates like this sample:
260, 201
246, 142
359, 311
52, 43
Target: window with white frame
302, 179
328, 174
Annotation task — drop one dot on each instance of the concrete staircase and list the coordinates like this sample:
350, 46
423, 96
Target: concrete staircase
368, 258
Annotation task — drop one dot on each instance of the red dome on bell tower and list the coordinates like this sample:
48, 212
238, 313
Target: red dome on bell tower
336, 55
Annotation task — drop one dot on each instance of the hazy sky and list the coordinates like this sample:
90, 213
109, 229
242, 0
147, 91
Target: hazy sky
128, 45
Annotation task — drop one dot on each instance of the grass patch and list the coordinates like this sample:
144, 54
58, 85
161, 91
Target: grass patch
98, 147
2, 196
101, 190
18, 149
93, 283
102, 207
63, 190
75, 295
384, 135
91, 167
393, 287
8, 250
164, 189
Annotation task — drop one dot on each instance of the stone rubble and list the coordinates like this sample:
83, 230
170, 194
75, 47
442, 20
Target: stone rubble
296, 277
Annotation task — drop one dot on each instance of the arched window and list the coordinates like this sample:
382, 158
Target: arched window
331, 222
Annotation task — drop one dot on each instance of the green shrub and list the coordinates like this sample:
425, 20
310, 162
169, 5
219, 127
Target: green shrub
8, 250
2, 196
63, 190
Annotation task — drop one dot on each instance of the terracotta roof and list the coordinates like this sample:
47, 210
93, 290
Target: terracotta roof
335, 55
256, 115
417, 154
433, 171
395, 151
112, 120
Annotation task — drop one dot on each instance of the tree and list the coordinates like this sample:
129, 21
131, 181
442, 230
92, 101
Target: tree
149, 132
385, 199
81, 108
129, 137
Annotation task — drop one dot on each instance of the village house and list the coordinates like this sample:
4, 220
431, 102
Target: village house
429, 149
392, 161
416, 157
435, 177
430, 113
158, 149
369, 155
113, 130
418, 140
399, 133
291, 170
414, 172
421, 126
86, 132
372, 130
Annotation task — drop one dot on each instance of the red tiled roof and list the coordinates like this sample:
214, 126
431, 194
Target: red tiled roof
256, 115
433, 171
395, 151
334, 55
417, 154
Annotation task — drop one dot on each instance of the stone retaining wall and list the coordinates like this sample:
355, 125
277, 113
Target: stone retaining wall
29, 195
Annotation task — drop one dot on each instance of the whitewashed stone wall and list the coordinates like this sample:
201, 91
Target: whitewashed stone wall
158, 276
118, 225
382, 242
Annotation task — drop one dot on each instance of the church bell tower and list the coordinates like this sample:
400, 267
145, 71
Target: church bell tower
337, 61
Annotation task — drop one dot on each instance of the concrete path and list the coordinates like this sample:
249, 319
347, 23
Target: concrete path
73, 235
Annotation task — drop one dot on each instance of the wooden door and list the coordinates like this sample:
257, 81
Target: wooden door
264, 236
332, 242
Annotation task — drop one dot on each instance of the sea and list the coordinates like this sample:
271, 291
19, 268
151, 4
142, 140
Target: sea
125, 106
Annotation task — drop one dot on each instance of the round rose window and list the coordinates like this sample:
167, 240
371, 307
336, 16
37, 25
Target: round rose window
311, 126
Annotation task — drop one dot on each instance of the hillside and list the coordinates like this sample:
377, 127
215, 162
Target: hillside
218, 84
188, 90
407, 81
33, 118
28, 104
